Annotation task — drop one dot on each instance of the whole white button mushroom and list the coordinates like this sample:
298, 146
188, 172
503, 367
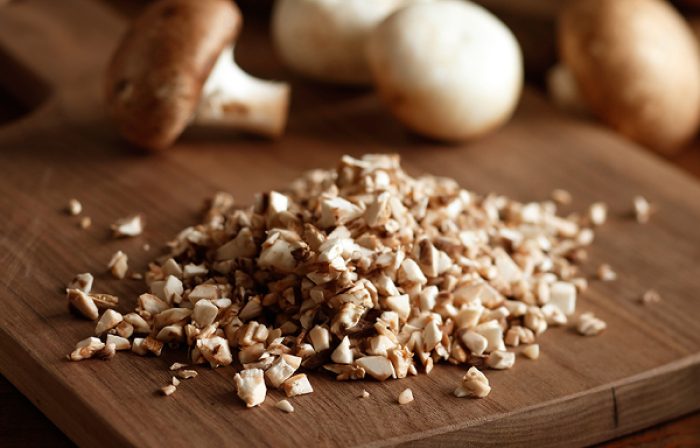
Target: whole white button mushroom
325, 39
449, 70
637, 67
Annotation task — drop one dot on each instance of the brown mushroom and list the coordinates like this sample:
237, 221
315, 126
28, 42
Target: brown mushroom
637, 67
175, 65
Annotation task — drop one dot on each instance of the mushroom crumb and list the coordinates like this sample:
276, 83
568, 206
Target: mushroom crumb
650, 297
406, 396
362, 271
176, 366
606, 273
642, 209
474, 384
128, 227
285, 406
118, 265
74, 207
364, 394
562, 197
589, 325
168, 390
85, 222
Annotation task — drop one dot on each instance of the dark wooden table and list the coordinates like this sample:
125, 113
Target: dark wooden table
22, 424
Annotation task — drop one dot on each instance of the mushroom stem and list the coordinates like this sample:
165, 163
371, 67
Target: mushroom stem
235, 99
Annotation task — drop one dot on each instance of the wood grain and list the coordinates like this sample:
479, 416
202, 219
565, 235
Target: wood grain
643, 370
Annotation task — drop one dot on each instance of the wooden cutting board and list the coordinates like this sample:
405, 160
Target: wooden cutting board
644, 369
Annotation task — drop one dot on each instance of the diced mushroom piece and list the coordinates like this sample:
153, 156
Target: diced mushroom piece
563, 296
129, 226
297, 385
85, 222
650, 297
187, 374
138, 347
342, 353
204, 313
250, 385
410, 272
348, 316
598, 213
104, 301
74, 208
152, 345
118, 265
176, 366
87, 348
493, 333
139, 323
215, 350
474, 384
535, 319
589, 325
168, 390
642, 209
320, 338
82, 282
400, 304
285, 406
82, 303
173, 289
364, 394
203, 292
475, 342
337, 211
500, 360
109, 320
192, 270
606, 273
378, 367
405, 397
242, 246
283, 368
119, 342
151, 304
432, 335
532, 351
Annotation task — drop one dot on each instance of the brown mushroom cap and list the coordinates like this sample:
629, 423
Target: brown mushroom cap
156, 75
637, 65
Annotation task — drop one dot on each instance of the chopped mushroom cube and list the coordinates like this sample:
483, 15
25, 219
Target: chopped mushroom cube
250, 385
532, 351
282, 369
563, 296
109, 320
589, 325
297, 385
642, 209
119, 342
83, 303
500, 360
87, 348
82, 282
168, 390
128, 227
320, 338
118, 265
285, 406
474, 384
406, 396
342, 353
378, 367
74, 207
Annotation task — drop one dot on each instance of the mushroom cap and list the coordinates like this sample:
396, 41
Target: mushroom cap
325, 39
637, 66
155, 77
449, 70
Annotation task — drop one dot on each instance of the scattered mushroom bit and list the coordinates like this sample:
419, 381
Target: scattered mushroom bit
406, 396
285, 406
74, 207
589, 325
364, 394
168, 390
532, 351
85, 222
363, 271
129, 226
642, 209
606, 273
118, 265
650, 297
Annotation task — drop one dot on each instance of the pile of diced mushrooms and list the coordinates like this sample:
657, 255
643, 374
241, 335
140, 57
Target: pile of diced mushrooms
362, 271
